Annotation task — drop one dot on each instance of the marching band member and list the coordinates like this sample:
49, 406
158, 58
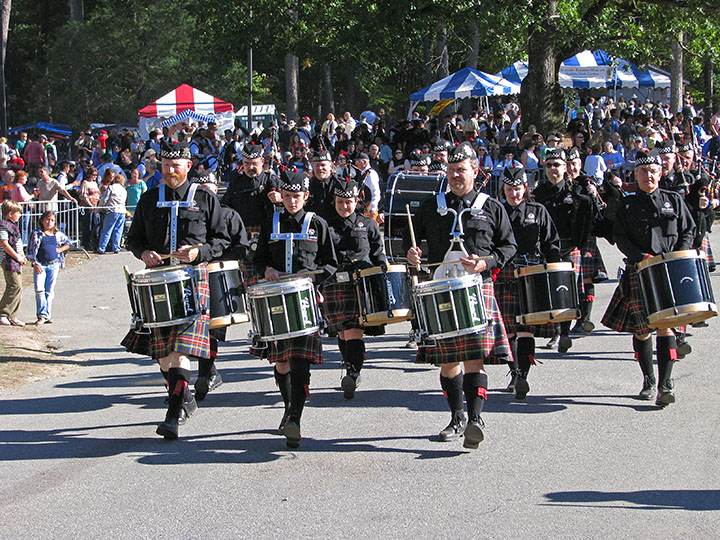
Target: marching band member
489, 243
292, 357
652, 222
538, 242
358, 245
201, 237
322, 184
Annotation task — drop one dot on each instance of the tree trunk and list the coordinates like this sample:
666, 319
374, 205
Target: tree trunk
474, 49
350, 89
4, 28
677, 72
427, 59
709, 73
442, 52
77, 10
292, 70
541, 98
328, 94
318, 101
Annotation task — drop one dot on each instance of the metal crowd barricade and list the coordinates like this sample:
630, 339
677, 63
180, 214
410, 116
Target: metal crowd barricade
67, 214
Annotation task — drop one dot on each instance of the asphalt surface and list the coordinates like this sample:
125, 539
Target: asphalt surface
581, 457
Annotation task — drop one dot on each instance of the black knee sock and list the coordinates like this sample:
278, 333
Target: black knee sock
299, 387
452, 388
342, 345
666, 357
283, 382
475, 388
178, 386
512, 364
565, 328
355, 354
526, 353
206, 367
644, 356
589, 299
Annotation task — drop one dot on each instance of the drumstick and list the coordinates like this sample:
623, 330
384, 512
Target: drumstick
458, 261
127, 273
296, 275
167, 256
412, 232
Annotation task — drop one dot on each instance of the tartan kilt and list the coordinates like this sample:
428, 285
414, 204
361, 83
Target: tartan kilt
708, 250
626, 311
308, 348
575, 257
340, 307
490, 345
188, 339
591, 259
250, 275
507, 294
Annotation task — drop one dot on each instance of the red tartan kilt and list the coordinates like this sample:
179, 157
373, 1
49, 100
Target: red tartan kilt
575, 257
491, 345
340, 306
591, 259
188, 339
308, 348
626, 312
507, 294
708, 250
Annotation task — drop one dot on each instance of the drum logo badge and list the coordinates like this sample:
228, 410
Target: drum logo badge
474, 301
687, 278
305, 305
562, 288
391, 296
187, 294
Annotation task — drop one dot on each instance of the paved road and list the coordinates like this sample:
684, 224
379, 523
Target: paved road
580, 458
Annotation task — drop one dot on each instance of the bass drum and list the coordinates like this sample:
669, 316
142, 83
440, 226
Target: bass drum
676, 288
409, 188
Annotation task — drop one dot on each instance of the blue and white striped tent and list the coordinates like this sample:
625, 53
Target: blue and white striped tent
465, 83
188, 114
595, 69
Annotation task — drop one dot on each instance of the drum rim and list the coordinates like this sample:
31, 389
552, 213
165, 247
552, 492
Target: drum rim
174, 322
457, 333
544, 268
671, 256
547, 316
667, 318
279, 287
223, 266
155, 276
229, 320
391, 269
438, 285
376, 319
291, 335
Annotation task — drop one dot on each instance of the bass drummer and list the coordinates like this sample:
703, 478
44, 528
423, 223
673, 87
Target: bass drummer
652, 222
358, 245
202, 237
292, 357
488, 244
538, 242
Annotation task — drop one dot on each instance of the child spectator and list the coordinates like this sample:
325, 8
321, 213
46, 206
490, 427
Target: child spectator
12, 264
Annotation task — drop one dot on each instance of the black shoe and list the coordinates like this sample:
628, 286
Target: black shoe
712, 267
521, 386
474, 433
291, 430
513, 379
285, 418
578, 328
189, 408
648, 389
587, 327
169, 428
564, 344
683, 348
665, 394
600, 277
204, 385
553, 343
701, 324
454, 429
349, 383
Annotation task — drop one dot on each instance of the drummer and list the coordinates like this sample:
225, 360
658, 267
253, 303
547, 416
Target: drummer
489, 244
322, 184
292, 357
201, 237
209, 377
652, 222
358, 245
538, 242
419, 161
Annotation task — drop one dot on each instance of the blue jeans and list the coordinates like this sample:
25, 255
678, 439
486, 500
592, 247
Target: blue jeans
113, 224
45, 288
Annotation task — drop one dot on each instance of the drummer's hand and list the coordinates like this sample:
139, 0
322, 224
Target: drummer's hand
473, 264
274, 197
591, 189
271, 274
703, 201
381, 218
413, 256
715, 203
186, 253
151, 258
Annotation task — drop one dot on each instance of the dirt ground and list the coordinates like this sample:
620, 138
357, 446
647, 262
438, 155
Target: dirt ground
26, 354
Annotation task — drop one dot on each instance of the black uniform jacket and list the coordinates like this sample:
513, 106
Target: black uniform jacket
248, 196
570, 209
315, 253
322, 197
535, 233
202, 224
488, 233
239, 243
357, 242
650, 224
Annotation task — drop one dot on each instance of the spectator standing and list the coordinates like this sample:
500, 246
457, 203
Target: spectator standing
34, 156
12, 264
4, 152
113, 203
89, 197
135, 188
48, 189
21, 143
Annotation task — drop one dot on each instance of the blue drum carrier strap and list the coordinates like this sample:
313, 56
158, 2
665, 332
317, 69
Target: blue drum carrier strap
289, 237
174, 205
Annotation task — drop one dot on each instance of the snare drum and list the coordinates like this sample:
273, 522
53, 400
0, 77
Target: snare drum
451, 307
283, 309
548, 293
164, 296
384, 295
227, 294
676, 288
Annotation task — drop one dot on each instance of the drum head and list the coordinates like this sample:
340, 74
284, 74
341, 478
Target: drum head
165, 274
282, 286
220, 266
681, 254
543, 268
393, 268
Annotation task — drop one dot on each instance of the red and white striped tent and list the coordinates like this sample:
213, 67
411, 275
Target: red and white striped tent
182, 98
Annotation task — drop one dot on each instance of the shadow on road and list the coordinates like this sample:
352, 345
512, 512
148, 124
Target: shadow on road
661, 499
